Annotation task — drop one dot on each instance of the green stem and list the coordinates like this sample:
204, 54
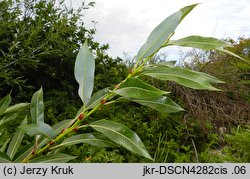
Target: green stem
77, 121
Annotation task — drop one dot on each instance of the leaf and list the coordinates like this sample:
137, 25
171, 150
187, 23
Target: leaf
97, 98
231, 53
58, 127
5, 145
136, 88
121, 135
205, 43
4, 104
162, 104
93, 139
39, 129
37, 107
53, 158
188, 78
162, 33
84, 73
16, 141
4, 158
7, 118
16, 107
23, 152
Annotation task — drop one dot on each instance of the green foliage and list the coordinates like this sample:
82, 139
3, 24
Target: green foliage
121, 135
188, 78
52, 31
239, 144
84, 73
162, 33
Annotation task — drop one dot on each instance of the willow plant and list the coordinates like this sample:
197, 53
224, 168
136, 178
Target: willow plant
106, 133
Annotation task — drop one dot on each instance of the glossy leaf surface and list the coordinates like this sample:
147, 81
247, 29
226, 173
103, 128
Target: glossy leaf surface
37, 107
97, 98
39, 129
89, 138
53, 158
121, 135
84, 73
16, 141
185, 77
162, 33
136, 88
162, 104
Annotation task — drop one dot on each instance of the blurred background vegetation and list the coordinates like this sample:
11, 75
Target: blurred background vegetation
39, 41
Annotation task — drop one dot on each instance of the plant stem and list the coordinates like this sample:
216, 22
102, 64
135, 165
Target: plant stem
77, 122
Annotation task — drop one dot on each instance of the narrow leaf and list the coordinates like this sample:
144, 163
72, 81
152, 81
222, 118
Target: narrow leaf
16, 141
39, 129
37, 107
4, 158
90, 138
84, 73
23, 152
136, 88
205, 43
58, 127
188, 78
162, 104
53, 158
5, 145
97, 98
7, 118
121, 135
16, 107
162, 33
4, 104
231, 53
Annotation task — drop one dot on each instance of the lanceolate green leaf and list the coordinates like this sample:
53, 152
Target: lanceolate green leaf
205, 43
162, 33
162, 104
16, 141
97, 98
95, 139
136, 88
5, 145
121, 135
7, 118
4, 158
16, 108
25, 151
4, 103
84, 73
188, 78
37, 107
39, 129
58, 127
53, 158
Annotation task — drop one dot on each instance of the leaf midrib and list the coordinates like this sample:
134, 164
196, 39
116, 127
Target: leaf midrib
183, 78
154, 42
167, 105
138, 148
142, 89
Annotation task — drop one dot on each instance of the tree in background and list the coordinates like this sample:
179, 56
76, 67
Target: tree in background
39, 41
